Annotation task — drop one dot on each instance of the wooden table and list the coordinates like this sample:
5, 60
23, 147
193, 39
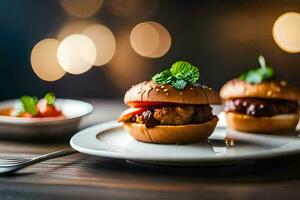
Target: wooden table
86, 177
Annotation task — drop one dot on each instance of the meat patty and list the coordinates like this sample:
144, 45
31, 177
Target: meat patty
174, 115
261, 107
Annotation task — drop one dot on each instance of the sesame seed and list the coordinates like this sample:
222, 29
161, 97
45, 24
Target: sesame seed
180, 93
251, 107
165, 90
191, 88
167, 94
283, 83
269, 93
162, 86
157, 90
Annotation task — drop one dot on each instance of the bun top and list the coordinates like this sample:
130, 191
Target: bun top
153, 92
269, 89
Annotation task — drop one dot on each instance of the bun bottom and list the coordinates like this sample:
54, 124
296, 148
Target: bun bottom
278, 124
178, 134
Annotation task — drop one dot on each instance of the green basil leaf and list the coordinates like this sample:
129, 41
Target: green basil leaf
50, 98
266, 72
163, 78
253, 77
179, 84
29, 104
258, 75
180, 74
185, 71
178, 67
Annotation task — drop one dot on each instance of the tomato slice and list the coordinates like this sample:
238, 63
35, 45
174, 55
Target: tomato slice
138, 104
46, 110
49, 111
132, 111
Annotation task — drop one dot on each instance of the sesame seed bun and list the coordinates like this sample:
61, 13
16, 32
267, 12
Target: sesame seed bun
178, 134
269, 89
153, 92
278, 124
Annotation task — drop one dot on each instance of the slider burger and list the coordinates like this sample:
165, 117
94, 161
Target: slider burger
257, 103
171, 108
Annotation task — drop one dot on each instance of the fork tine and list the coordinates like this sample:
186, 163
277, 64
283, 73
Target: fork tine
8, 157
12, 161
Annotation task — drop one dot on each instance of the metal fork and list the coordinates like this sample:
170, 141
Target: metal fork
10, 165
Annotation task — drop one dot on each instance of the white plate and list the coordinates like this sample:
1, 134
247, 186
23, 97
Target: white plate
110, 140
42, 128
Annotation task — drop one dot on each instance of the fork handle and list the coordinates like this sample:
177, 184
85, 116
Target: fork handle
56, 154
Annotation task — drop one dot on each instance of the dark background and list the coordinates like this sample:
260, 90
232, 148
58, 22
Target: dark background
223, 38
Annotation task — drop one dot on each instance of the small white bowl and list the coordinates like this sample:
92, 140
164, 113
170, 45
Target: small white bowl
44, 128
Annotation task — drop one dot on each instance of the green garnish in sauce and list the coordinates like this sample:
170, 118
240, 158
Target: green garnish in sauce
50, 98
179, 75
28, 104
258, 75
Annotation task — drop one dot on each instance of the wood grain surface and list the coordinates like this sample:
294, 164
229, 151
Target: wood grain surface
87, 177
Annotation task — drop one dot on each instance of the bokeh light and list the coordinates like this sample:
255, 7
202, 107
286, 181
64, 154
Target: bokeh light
127, 68
286, 32
44, 60
144, 39
73, 27
104, 40
150, 39
81, 8
76, 54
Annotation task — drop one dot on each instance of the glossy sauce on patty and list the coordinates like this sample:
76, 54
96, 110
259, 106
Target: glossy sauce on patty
261, 107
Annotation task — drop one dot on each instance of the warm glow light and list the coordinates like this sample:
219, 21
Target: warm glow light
73, 27
105, 42
76, 54
286, 32
81, 8
150, 39
127, 67
44, 61
144, 39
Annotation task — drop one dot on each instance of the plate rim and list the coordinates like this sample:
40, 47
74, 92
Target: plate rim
105, 150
